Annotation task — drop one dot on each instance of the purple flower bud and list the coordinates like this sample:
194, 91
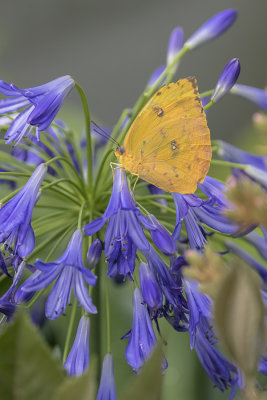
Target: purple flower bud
257, 96
227, 79
149, 287
160, 236
155, 76
175, 44
107, 389
212, 28
78, 358
94, 254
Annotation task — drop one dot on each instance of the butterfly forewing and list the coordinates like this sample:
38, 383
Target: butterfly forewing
168, 144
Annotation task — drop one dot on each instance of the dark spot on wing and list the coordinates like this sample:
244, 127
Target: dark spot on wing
158, 110
159, 93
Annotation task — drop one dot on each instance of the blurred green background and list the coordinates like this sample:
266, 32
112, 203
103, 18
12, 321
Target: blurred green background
110, 48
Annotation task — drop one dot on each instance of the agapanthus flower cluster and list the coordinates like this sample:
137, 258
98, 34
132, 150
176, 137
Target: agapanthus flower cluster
71, 219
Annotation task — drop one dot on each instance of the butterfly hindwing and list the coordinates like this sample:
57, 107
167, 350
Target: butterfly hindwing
168, 144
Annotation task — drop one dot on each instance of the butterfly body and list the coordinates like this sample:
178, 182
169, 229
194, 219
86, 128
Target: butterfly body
168, 143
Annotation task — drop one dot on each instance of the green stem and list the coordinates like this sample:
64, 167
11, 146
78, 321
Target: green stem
69, 332
228, 164
108, 316
207, 93
88, 135
210, 104
79, 226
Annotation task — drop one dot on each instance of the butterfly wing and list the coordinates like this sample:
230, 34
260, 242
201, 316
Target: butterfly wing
168, 144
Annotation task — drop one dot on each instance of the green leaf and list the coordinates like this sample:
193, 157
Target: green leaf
148, 384
78, 388
27, 369
239, 317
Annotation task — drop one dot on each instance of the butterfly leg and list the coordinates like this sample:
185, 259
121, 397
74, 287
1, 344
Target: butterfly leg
137, 177
118, 166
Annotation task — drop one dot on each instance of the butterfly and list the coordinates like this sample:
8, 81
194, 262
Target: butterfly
168, 144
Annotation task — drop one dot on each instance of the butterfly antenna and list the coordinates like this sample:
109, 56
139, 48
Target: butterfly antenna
100, 131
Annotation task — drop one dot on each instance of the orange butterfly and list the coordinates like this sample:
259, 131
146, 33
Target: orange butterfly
168, 143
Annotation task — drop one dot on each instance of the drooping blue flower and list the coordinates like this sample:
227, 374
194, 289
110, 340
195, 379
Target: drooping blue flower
142, 339
94, 254
38, 106
124, 233
15, 215
7, 308
228, 152
69, 273
175, 44
227, 79
220, 370
77, 361
107, 390
255, 95
149, 287
193, 211
212, 28
171, 290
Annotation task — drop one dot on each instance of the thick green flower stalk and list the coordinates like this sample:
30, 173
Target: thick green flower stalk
71, 219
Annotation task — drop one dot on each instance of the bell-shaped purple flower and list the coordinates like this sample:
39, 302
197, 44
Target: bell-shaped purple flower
142, 339
15, 215
199, 305
193, 211
94, 254
149, 286
38, 105
77, 361
107, 390
175, 44
221, 371
212, 28
255, 95
157, 191
69, 272
124, 233
227, 79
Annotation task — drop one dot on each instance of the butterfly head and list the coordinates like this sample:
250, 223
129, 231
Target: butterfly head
119, 151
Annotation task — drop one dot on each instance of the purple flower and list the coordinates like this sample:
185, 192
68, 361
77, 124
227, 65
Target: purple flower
227, 79
199, 305
142, 339
155, 76
257, 96
155, 190
94, 254
149, 287
69, 272
7, 308
107, 390
78, 358
193, 211
212, 28
124, 233
259, 242
38, 106
15, 215
175, 44
171, 290
217, 367
228, 152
